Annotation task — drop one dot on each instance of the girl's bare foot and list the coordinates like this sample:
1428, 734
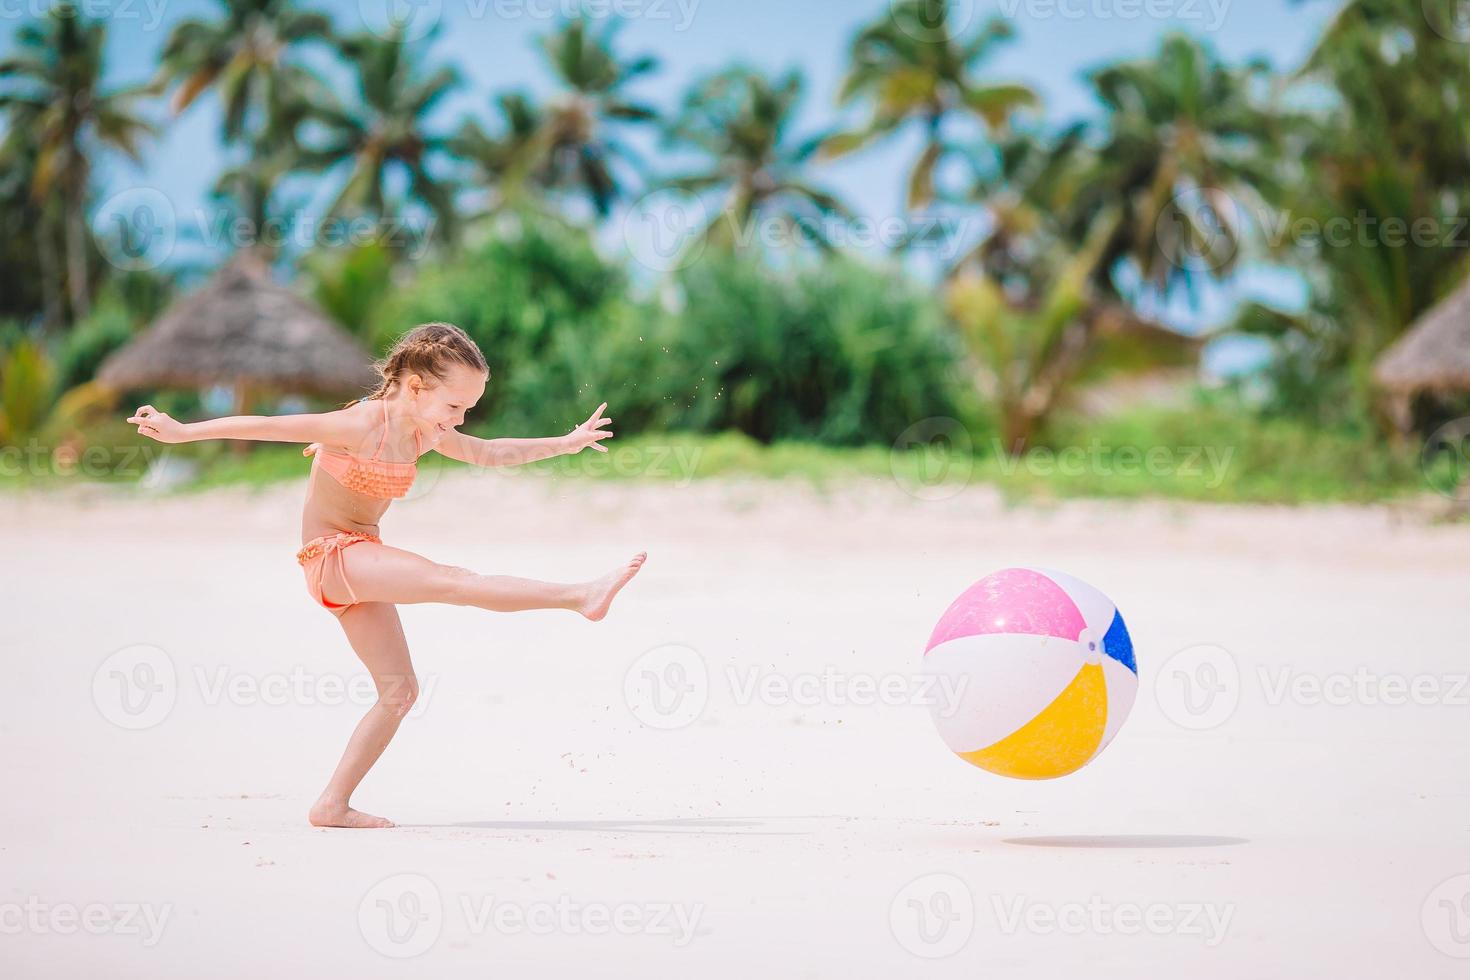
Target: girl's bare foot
342, 815
600, 593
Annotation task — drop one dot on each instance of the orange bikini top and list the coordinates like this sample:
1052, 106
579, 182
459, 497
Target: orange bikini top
371, 477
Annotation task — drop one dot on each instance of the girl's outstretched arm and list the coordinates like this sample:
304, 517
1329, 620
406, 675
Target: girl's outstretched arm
514, 452
338, 428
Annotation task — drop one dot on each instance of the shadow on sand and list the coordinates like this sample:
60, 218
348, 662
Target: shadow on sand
1142, 841
783, 827
676, 825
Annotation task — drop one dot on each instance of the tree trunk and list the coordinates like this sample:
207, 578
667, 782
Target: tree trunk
1017, 429
76, 258
52, 314
1399, 407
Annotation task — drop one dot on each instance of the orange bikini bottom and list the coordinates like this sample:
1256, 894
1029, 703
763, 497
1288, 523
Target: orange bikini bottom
313, 558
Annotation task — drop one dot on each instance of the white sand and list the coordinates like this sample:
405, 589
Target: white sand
1291, 839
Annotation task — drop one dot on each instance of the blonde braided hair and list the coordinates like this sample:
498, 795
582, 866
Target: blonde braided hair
427, 350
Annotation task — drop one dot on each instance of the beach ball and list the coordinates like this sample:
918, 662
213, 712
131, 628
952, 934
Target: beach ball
1034, 673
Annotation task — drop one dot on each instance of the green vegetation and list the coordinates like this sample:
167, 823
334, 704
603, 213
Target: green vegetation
552, 315
1208, 455
840, 353
800, 358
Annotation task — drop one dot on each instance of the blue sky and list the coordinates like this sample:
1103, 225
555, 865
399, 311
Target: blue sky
492, 43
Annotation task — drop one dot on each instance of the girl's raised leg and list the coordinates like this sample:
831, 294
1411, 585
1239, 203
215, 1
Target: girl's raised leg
380, 573
376, 635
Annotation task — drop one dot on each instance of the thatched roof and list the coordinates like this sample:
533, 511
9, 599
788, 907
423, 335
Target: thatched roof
241, 328
1434, 355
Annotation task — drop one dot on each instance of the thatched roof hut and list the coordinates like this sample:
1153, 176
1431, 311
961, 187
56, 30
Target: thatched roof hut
243, 330
1434, 355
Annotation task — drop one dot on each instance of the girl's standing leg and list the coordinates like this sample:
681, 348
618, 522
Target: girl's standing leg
376, 635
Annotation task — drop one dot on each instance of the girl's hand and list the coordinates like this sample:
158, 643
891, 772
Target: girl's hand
590, 433
158, 425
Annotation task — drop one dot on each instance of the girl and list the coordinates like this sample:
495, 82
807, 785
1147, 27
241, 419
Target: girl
430, 379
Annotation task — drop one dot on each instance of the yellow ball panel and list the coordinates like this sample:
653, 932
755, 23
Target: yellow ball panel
1059, 740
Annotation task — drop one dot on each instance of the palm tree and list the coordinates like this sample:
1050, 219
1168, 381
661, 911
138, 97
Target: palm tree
570, 144
1035, 344
1387, 147
914, 70
265, 93
740, 121
28, 250
1028, 185
386, 130
248, 194
1030, 302
1185, 146
55, 97
245, 55
509, 163
577, 132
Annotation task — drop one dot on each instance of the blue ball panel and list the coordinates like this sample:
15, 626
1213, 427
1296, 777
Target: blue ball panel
1118, 644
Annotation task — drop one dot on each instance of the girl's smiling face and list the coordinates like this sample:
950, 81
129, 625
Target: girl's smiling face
440, 405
